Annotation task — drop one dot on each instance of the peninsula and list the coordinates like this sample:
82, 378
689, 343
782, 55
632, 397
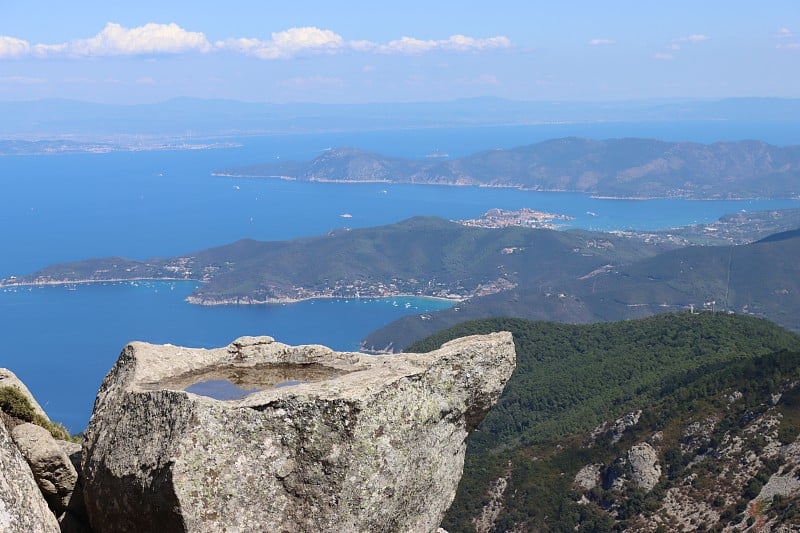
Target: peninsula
614, 168
567, 276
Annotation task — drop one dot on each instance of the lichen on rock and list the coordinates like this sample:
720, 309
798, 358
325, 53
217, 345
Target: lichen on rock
373, 443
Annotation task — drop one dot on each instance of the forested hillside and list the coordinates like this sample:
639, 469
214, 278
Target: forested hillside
761, 278
676, 369
631, 167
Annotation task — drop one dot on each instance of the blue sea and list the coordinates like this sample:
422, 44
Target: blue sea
62, 340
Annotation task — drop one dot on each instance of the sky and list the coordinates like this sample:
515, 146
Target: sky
351, 51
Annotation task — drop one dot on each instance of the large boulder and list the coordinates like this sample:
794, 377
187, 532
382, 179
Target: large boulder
320, 440
22, 506
51, 466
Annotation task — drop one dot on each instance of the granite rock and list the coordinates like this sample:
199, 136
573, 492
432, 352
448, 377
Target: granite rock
22, 506
9, 379
320, 440
645, 470
51, 466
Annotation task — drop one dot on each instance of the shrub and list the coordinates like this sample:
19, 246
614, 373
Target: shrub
787, 433
14, 403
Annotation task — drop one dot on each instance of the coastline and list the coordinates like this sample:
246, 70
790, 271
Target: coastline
244, 300
240, 300
56, 283
519, 187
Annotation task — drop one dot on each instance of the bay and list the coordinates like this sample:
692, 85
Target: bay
62, 342
56, 208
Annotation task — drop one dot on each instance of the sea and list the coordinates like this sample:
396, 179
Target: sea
62, 340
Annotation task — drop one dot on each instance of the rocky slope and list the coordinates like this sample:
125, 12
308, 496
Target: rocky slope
672, 423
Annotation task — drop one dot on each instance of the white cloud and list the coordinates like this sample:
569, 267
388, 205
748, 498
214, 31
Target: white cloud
601, 42
662, 55
286, 44
409, 46
296, 41
305, 38
11, 47
454, 43
783, 34
116, 40
362, 46
694, 39
158, 39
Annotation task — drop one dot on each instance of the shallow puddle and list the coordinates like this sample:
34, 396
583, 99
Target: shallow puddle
234, 383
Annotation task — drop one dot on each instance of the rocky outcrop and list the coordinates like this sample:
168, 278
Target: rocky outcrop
589, 477
9, 379
52, 468
617, 428
645, 470
491, 510
320, 440
22, 507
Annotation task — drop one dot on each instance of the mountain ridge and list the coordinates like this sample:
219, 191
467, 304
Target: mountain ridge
759, 278
569, 276
616, 168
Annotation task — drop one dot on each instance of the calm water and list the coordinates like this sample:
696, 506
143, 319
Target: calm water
67, 207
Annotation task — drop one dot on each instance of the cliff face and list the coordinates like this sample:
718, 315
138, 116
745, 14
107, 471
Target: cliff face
327, 442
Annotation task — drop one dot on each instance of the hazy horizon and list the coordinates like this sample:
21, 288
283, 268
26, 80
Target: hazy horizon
357, 52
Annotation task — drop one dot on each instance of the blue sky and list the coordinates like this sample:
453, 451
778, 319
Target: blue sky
358, 51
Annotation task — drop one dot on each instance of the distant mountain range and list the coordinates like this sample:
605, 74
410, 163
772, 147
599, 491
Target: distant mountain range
54, 118
622, 168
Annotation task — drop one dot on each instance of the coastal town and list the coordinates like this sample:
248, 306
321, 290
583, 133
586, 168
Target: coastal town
525, 217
